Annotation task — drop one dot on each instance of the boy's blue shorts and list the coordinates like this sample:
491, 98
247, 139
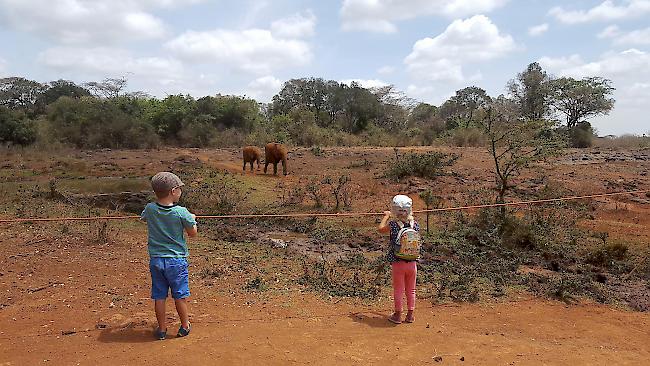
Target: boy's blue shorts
169, 273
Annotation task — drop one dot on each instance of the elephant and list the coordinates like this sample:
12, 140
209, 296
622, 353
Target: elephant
273, 154
251, 154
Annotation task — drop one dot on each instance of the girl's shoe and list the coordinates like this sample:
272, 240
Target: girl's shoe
409, 317
395, 318
182, 332
160, 335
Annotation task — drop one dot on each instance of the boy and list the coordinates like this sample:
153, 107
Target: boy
168, 249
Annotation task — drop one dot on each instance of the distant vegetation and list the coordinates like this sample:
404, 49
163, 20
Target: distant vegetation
306, 112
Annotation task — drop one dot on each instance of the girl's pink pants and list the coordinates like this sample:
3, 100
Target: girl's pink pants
404, 274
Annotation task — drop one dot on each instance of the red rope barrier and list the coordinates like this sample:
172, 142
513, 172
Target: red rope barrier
344, 214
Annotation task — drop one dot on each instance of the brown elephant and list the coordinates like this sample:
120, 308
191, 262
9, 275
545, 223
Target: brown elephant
273, 154
251, 154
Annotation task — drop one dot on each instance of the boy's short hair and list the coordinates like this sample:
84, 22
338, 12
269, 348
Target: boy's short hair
163, 183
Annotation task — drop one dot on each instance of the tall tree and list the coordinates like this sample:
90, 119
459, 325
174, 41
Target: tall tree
582, 99
460, 110
531, 91
19, 93
60, 88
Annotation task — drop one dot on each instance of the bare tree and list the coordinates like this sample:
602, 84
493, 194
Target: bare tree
514, 143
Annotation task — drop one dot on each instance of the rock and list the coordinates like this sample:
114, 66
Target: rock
279, 243
462, 358
438, 358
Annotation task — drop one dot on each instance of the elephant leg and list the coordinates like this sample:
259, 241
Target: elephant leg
275, 168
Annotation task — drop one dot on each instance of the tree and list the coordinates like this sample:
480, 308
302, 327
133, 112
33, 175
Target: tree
108, 88
581, 99
395, 108
229, 111
16, 128
95, 123
531, 91
61, 88
361, 107
308, 93
170, 114
515, 143
19, 93
460, 110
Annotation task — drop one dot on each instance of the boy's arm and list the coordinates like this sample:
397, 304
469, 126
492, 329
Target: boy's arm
143, 215
192, 231
383, 226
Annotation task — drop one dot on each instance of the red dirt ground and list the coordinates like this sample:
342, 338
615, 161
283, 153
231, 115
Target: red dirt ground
64, 301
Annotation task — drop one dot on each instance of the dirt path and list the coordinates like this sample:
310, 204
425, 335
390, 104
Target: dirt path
310, 331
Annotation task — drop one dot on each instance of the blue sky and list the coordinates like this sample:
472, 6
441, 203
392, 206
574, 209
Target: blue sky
426, 48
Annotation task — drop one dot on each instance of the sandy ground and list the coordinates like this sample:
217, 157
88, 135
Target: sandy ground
67, 302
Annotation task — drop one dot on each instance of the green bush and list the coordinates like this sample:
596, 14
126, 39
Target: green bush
429, 165
96, 123
16, 128
581, 135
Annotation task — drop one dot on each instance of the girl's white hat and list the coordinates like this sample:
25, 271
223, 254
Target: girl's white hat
402, 201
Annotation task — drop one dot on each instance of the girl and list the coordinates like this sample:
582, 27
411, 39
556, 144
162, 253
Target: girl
404, 272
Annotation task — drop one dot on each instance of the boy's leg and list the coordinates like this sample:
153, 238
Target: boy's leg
159, 290
159, 307
177, 272
183, 312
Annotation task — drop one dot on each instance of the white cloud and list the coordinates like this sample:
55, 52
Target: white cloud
635, 37
560, 63
609, 32
87, 22
366, 83
606, 11
464, 41
295, 26
538, 30
264, 88
629, 72
386, 70
380, 15
104, 62
254, 50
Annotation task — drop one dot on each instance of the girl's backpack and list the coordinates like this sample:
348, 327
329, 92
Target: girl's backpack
409, 242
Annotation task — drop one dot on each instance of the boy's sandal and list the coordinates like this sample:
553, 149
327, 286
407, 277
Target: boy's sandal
160, 335
182, 332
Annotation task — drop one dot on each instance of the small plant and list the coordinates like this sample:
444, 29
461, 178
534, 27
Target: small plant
256, 284
431, 201
317, 150
314, 190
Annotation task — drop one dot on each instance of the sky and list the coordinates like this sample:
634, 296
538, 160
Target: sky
425, 48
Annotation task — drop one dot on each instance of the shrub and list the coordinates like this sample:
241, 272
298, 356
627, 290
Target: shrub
94, 123
429, 165
581, 135
466, 137
15, 128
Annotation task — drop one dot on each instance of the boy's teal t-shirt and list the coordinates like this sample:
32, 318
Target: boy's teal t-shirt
165, 225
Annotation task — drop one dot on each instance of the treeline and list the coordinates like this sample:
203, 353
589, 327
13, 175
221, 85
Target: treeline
307, 112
